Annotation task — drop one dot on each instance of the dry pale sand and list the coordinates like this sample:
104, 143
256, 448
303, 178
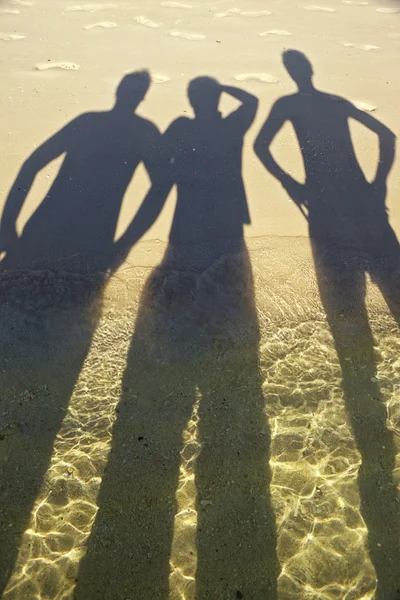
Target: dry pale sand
187, 432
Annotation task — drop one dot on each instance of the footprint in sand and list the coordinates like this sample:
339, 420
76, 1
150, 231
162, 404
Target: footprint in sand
364, 106
388, 11
67, 66
9, 11
105, 24
11, 37
227, 13
194, 37
255, 13
281, 32
146, 22
157, 78
320, 9
263, 77
232, 12
365, 47
175, 5
90, 7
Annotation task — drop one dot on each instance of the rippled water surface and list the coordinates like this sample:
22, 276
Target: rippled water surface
190, 431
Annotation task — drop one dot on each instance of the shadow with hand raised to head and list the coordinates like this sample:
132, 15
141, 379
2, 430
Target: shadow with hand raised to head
51, 283
185, 500
351, 237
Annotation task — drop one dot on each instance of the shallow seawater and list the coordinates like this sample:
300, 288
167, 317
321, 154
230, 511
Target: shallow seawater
189, 437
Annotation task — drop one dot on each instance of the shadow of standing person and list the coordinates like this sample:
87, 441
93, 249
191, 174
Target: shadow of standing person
193, 359
51, 283
351, 237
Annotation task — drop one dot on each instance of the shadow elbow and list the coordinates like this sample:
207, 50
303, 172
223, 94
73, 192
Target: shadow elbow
31, 166
254, 107
258, 148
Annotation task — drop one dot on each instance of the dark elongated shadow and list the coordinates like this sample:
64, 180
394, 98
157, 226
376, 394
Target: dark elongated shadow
194, 348
351, 237
51, 283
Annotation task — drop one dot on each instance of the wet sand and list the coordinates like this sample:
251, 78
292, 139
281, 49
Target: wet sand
198, 432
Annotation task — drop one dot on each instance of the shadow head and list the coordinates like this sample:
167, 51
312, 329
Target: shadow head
299, 67
204, 94
132, 90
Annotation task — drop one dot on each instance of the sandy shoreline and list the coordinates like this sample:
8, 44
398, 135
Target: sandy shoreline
353, 50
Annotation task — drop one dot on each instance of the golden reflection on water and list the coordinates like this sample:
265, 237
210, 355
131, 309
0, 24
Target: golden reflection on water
51, 549
314, 460
183, 558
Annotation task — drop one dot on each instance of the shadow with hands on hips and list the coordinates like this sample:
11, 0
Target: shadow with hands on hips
191, 422
351, 237
51, 283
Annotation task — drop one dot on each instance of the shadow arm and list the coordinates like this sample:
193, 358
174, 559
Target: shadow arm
46, 153
246, 113
152, 154
387, 141
145, 217
157, 160
274, 123
160, 163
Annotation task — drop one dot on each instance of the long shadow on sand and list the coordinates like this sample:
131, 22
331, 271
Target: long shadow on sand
193, 357
351, 237
51, 284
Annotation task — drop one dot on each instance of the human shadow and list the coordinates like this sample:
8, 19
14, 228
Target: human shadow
351, 237
193, 359
51, 283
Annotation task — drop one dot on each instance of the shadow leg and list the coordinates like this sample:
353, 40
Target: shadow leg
236, 538
42, 355
342, 290
129, 547
388, 280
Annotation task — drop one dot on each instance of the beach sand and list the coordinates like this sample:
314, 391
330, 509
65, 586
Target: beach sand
184, 431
